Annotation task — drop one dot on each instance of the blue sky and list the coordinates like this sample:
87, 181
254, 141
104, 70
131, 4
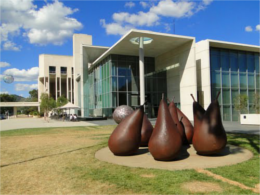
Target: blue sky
30, 28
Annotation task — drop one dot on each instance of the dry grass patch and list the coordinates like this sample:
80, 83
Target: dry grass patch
21, 148
148, 175
201, 187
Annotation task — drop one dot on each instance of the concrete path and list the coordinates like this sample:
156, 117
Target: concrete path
20, 123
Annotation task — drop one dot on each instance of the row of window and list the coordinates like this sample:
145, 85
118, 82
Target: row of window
234, 60
233, 73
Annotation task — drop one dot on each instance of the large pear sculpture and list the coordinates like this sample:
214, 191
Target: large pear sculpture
209, 134
165, 142
186, 124
146, 132
174, 115
126, 138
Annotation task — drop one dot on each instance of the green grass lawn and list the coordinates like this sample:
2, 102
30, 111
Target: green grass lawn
61, 161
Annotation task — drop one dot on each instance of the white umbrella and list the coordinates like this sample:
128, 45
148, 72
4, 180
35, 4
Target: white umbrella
69, 106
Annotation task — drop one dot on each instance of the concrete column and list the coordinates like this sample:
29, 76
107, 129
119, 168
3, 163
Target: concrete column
67, 84
49, 84
60, 85
71, 89
44, 84
141, 71
56, 88
15, 111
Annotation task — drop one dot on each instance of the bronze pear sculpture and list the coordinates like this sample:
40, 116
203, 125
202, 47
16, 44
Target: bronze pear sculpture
174, 115
209, 134
165, 142
126, 138
188, 128
146, 132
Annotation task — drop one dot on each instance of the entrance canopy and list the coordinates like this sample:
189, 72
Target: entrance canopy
161, 43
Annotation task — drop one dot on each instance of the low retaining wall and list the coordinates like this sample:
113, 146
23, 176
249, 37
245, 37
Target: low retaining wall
250, 119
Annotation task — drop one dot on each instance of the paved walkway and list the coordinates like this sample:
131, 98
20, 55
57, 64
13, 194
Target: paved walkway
20, 123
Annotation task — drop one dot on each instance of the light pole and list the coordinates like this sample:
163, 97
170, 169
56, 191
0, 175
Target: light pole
141, 41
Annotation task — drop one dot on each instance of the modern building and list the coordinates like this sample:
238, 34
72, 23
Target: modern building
143, 64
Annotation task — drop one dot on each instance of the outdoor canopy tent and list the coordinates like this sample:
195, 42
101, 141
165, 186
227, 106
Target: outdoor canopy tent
69, 106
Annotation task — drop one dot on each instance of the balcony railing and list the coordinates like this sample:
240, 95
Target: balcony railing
52, 72
63, 72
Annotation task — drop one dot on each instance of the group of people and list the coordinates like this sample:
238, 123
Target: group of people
73, 117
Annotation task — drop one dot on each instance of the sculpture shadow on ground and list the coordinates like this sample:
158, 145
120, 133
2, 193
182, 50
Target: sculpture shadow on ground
226, 151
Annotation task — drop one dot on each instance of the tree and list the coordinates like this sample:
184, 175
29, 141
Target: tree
240, 103
61, 101
34, 95
7, 98
47, 103
256, 104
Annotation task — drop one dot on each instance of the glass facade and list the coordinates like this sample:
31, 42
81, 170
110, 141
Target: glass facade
233, 72
115, 81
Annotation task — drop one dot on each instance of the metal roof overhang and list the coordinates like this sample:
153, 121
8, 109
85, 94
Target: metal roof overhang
235, 46
161, 43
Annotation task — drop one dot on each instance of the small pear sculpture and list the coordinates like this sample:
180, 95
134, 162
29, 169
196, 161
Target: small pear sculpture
187, 125
146, 132
209, 134
165, 142
174, 115
126, 138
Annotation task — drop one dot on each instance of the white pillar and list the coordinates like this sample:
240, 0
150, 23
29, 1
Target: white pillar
71, 89
141, 71
60, 85
67, 84
56, 88
15, 111
44, 84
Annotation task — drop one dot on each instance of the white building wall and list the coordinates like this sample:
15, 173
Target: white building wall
80, 69
203, 72
58, 61
181, 80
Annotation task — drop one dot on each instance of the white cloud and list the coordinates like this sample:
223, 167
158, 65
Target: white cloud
4, 64
257, 27
248, 29
167, 27
23, 75
164, 8
207, 2
169, 8
129, 4
140, 19
144, 4
4, 92
25, 87
50, 24
10, 46
115, 28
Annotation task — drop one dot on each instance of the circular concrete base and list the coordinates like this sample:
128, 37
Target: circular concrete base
188, 158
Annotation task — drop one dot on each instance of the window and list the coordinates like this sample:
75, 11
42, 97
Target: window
52, 69
63, 70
